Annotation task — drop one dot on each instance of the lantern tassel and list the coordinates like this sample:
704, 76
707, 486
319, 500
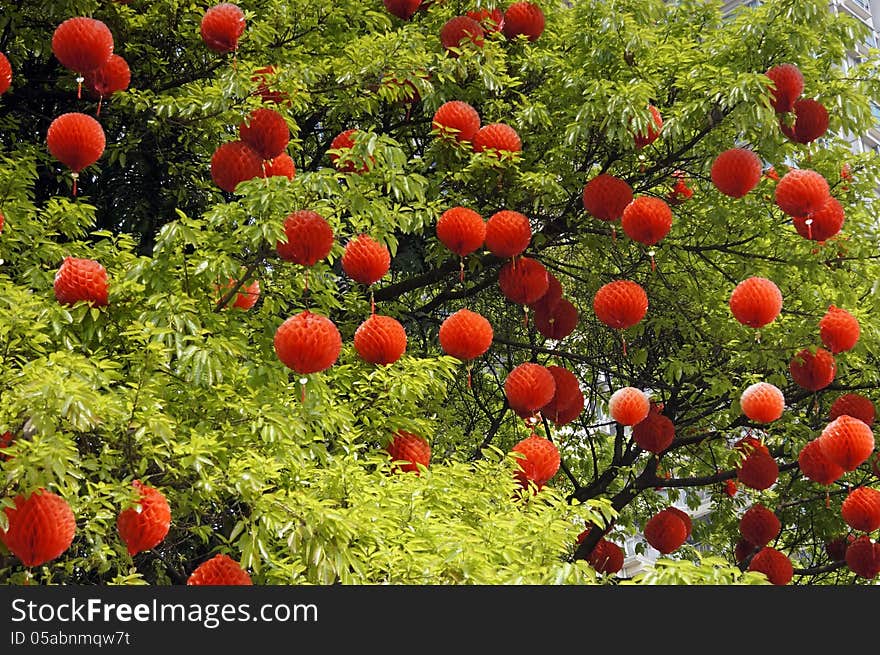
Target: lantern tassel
302, 386
372, 303
827, 500
461, 270
624, 345
100, 100
79, 85
75, 176
809, 223
653, 263
525, 316
469, 368
613, 233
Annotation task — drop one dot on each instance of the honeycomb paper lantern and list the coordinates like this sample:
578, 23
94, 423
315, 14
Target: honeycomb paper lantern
263, 76
220, 570
736, 171
620, 304
540, 463
758, 471
861, 509
76, 140
847, 442
528, 388
233, 163
523, 19
812, 371
222, 26
266, 131
606, 557
647, 220
666, 531
465, 335
547, 303
523, 280
307, 343
559, 322
836, 548
823, 224
788, 85
508, 233
730, 488
459, 32
41, 527
110, 77
800, 192
749, 445
309, 238
280, 166
342, 160
409, 450
497, 137
756, 302
684, 516
380, 340
743, 550
566, 394
365, 260
82, 44
773, 564
606, 197
811, 121
247, 296
456, 120
567, 414
629, 406
145, 525
759, 525
863, 557
5, 74
654, 126
462, 230
839, 330
855, 405
816, 466
403, 9
81, 280
762, 402
491, 20
654, 433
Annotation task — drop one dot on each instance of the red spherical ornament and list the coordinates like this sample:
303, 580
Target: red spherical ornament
730, 488
219, 570
839, 330
380, 340
774, 564
861, 509
606, 197
235, 162
654, 128
460, 31
309, 238
508, 233
816, 466
247, 296
547, 303
465, 335
344, 142
308, 343
456, 120
606, 557
620, 304
462, 230
541, 461
82, 44
756, 302
811, 121
684, 516
813, 371
41, 527
749, 445
759, 525
559, 322
523, 18
758, 471
836, 548
409, 449
266, 131
647, 220
280, 166
491, 20
365, 260
629, 406
262, 76
528, 388
855, 405
111, 76
76, 140
742, 550
735, 172
497, 137
569, 413
847, 441
762, 402
567, 393
823, 224
222, 26
523, 280
145, 525
5, 74
863, 557
801, 192
789, 84
654, 433
403, 9
666, 531
81, 280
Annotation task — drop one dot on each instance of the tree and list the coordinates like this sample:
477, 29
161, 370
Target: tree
172, 384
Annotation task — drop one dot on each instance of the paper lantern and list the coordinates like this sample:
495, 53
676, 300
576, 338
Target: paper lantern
620, 304
456, 120
567, 414
861, 509
855, 405
606, 557
262, 77
309, 238
822, 224
220, 570
736, 171
813, 371
465, 335
222, 26
801, 192
380, 340
247, 296
762, 402
280, 166
523, 19
81, 280
462, 230
749, 445
77, 141
307, 343
508, 233
647, 220
606, 197
365, 260
233, 163
409, 450
654, 433
403, 9
758, 471
756, 302
759, 525
541, 461
342, 160
773, 564
547, 303
665, 531
680, 191
629, 406
839, 330
82, 44
528, 388
266, 131
743, 550
567, 392
730, 488
816, 466
110, 77
836, 548
559, 322
684, 516
460, 31
41, 527
6, 440
523, 280
491, 20
847, 441
788, 85
811, 121
145, 525
654, 126
497, 137
5, 74
863, 557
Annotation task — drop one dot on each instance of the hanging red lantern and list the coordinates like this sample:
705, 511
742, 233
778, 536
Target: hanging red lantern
456, 120
758, 471
759, 525
523, 19
559, 322
262, 77
654, 127
566, 394
742, 550
811, 121
839, 330
863, 557
365, 260
620, 304
855, 405
569, 413
606, 197
756, 302
309, 238
77, 141
491, 20
5, 74
508, 233
458, 32
730, 488
247, 296
684, 516
342, 160
528, 388
647, 220
81, 280
666, 531
748, 445
823, 224
82, 44
266, 131
465, 335
547, 303
145, 525
836, 548
655, 432
541, 461
789, 85
773, 564
629, 406
410, 450
110, 77
847, 441
498, 138
801, 192
280, 166
307, 343
813, 371
762, 402
606, 557
816, 466
220, 570
524, 280
462, 230
235, 162
41, 527
736, 171
380, 340
680, 191
222, 26
403, 9
861, 509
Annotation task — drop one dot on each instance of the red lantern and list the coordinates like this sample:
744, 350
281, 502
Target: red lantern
801, 192
491, 20
823, 224
629, 406
541, 461
497, 137
309, 238
855, 405
41, 527
144, 526
523, 19
5, 74
748, 445
567, 393
77, 141
266, 131
654, 128
680, 191
247, 296
462, 230
789, 84
742, 550
233, 163
528, 388
836, 548
465, 335
280, 166
410, 450
109, 78
403, 9
847, 441
813, 371
82, 44
559, 322
547, 303
730, 488
365, 260
666, 531
811, 121
620, 304
344, 142
219, 570
606, 197
647, 220
523, 281
863, 557
222, 26
654, 433
861, 509
261, 76
684, 516
759, 525
762, 402
816, 466
81, 280
839, 330
569, 413
508, 233
756, 302
735, 172
773, 564
6, 440
456, 120
606, 557
758, 471
380, 340
461, 29
308, 343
